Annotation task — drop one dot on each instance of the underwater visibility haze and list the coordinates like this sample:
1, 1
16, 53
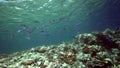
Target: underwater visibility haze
29, 23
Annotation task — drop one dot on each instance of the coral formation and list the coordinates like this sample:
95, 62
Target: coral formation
93, 50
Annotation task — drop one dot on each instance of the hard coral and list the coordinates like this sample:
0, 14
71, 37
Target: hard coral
105, 41
4, 55
28, 62
68, 58
86, 39
92, 50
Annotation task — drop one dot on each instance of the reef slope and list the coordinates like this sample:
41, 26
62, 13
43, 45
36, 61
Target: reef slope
88, 50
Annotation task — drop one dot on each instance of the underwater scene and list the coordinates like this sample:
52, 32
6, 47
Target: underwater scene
59, 33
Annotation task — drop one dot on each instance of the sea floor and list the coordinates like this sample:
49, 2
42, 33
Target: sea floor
88, 50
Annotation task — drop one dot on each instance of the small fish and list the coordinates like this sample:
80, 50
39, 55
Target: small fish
6, 30
51, 22
12, 36
60, 19
23, 25
47, 34
42, 30
28, 38
66, 20
31, 30
19, 31
36, 21
77, 24
64, 28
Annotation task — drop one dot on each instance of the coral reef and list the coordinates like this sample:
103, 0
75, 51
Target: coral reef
93, 50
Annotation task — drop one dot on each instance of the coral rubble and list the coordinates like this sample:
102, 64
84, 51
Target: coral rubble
93, 50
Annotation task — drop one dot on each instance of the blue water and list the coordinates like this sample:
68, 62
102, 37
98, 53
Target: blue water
27, 23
